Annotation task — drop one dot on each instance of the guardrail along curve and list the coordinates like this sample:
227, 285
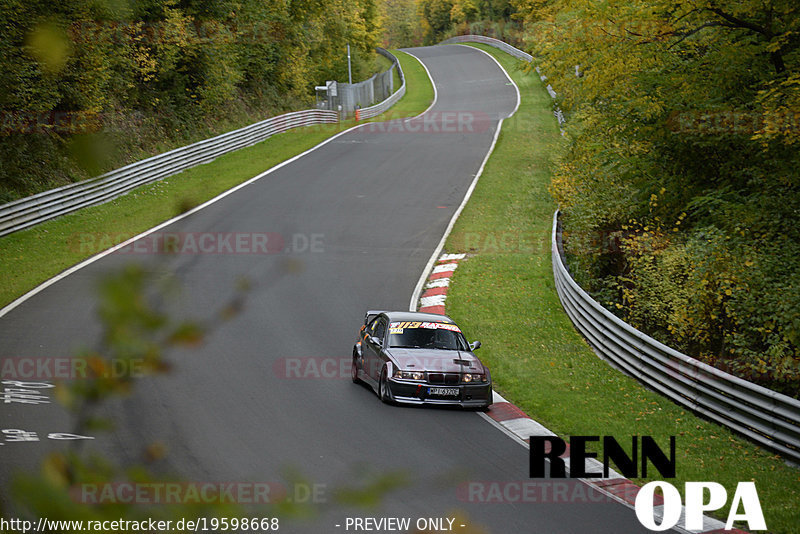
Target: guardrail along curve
765, 416
517, 53
47, 205
32, 210
380, 107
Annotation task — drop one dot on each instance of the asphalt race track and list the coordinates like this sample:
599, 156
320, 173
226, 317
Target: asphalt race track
360, 217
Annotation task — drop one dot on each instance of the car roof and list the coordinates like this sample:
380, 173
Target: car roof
418, 316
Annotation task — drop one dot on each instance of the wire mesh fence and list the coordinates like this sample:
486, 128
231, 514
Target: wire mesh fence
346, 98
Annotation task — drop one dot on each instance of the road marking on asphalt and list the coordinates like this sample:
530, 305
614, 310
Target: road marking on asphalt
521, 428
44, 285
424, 275
433, 84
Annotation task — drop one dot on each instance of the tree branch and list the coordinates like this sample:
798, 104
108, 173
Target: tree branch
740, 23
686, 34
776, 57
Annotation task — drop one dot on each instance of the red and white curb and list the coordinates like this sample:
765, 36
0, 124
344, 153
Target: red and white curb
435, 291
513, 421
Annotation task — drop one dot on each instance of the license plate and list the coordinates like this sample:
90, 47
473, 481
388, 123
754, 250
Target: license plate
443, 392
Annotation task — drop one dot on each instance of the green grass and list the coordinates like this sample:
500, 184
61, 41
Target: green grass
419, 91
504, 295
30, 257
381, 63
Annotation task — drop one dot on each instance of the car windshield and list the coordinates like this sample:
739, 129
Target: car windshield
414, 335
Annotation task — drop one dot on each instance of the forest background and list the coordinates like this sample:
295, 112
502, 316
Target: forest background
677, 176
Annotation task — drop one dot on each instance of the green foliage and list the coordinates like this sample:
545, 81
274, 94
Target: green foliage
137, 78
682, 156
439, 17
401, 24
138, 335
505, 297
31, 256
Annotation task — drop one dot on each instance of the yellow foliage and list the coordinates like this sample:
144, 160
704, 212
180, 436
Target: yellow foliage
49, 45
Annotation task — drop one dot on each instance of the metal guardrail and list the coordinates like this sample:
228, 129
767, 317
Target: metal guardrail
497, 43
32, 210
377, 109
41, 207
763, 415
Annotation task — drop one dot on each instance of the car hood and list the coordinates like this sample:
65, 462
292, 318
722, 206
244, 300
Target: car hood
443, 361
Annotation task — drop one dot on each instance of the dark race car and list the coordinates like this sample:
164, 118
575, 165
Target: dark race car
420, 358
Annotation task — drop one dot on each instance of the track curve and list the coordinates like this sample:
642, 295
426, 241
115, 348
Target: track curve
376, 201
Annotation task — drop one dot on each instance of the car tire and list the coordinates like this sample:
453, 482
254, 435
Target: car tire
354, 371
383, 388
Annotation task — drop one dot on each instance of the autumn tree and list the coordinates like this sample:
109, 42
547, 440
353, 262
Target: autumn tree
400, 22
91, 85
679, 183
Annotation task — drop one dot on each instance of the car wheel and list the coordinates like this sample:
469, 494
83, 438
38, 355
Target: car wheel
354, 370
383, 388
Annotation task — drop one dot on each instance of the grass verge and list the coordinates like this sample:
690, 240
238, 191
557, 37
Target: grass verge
504, 295
30, 257
419, 91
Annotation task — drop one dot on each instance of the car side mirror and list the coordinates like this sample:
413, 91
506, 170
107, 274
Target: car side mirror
475, 345
374, 340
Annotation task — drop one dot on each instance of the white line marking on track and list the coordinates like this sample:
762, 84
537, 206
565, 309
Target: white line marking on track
511, 82
433, 84
504, 430
84, 263
438, 251
525, 426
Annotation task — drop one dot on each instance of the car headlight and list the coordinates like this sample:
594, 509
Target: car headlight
469, 377
410, 375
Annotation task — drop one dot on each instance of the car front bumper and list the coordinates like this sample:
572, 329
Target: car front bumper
469, 395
